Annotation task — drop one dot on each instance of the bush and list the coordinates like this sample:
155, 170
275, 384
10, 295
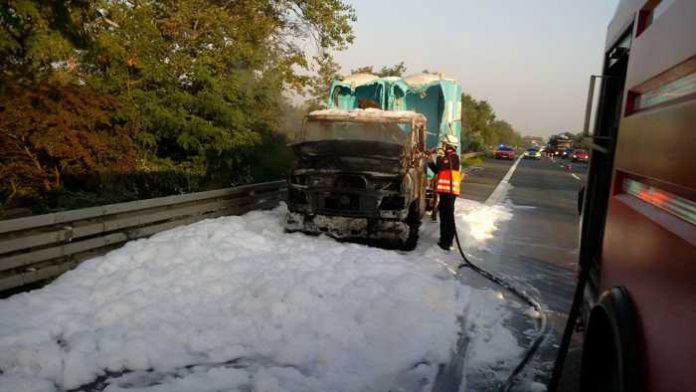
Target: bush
268, 161
471, 162
53, 131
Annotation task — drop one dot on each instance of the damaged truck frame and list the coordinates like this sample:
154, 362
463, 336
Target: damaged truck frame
359, 174
360, 171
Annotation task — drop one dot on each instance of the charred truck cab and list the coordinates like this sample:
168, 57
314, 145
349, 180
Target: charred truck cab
359, 174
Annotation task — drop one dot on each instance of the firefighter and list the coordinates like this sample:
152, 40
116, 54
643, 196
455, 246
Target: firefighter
448, 180
433, 184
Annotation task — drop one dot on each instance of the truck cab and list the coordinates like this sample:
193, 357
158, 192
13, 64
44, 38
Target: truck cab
360, 170
359, 174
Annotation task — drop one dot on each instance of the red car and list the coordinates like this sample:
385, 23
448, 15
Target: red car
580, 156
505, 153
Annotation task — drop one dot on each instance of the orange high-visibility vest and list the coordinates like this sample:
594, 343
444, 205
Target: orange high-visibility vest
448, 181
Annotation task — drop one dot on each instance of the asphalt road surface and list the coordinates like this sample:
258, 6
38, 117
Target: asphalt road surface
537, 249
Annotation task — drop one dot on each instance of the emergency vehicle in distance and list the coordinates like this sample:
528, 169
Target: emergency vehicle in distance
637, 289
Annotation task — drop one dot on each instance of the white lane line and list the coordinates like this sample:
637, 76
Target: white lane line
500, 190
575, 177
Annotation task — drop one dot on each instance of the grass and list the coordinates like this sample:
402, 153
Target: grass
471, 162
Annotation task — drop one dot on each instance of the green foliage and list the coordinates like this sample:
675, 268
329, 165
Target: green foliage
472, 162
319, 85
503, 133
366, 69
394, 70
269, 159
580, 141
41, 37
481, 128
477, 117
54, 130
197, 83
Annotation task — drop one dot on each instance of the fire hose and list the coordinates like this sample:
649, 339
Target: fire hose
521, 294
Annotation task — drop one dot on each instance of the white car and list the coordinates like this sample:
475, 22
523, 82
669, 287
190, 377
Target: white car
532, 153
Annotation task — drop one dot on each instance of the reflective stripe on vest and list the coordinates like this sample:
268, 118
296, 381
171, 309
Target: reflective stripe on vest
444, 185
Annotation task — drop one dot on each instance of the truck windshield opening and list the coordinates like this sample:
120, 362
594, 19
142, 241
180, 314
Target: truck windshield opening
346, 130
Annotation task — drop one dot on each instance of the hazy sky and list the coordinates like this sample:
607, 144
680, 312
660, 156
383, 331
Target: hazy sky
531, 59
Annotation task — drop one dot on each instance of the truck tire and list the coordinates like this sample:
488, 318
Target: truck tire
610, 361
413, 220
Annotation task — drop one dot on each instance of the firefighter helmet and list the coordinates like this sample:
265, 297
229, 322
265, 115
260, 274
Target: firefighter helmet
451, 140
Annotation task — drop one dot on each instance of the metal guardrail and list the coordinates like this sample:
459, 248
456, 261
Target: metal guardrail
41, 247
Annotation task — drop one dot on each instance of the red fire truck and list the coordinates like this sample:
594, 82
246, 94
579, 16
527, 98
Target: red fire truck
637, 291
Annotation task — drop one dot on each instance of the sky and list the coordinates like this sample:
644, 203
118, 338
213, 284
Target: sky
530, 59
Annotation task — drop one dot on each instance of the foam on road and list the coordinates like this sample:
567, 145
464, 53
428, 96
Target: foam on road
235, 303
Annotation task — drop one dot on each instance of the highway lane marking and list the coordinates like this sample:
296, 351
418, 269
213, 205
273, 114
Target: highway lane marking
500, 190
563, 166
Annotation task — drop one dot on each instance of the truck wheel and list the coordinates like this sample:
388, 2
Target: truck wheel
413, 220
610, 357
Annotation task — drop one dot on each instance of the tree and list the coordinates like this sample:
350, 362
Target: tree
205, 79
56, 130
198, 81
38, 38
477, 117
580, 141
327, 71
365, 69
481, 127
503, 133
394, 70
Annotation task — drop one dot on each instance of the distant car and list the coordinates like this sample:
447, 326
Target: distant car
567, 153
505, 153
532, 153
580, 156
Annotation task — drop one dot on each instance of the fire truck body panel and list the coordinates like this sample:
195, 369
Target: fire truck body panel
649, 235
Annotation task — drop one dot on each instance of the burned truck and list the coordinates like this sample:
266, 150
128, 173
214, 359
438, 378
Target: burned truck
359, 174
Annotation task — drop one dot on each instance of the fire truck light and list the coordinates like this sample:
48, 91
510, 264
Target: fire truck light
676, 205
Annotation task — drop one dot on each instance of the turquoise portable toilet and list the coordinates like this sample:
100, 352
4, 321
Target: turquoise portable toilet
433, 95
346, 94
439, 99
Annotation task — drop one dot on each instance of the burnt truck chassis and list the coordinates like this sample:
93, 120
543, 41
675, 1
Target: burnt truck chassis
360, 190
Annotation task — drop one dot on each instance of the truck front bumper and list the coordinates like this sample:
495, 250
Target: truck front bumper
347, 227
